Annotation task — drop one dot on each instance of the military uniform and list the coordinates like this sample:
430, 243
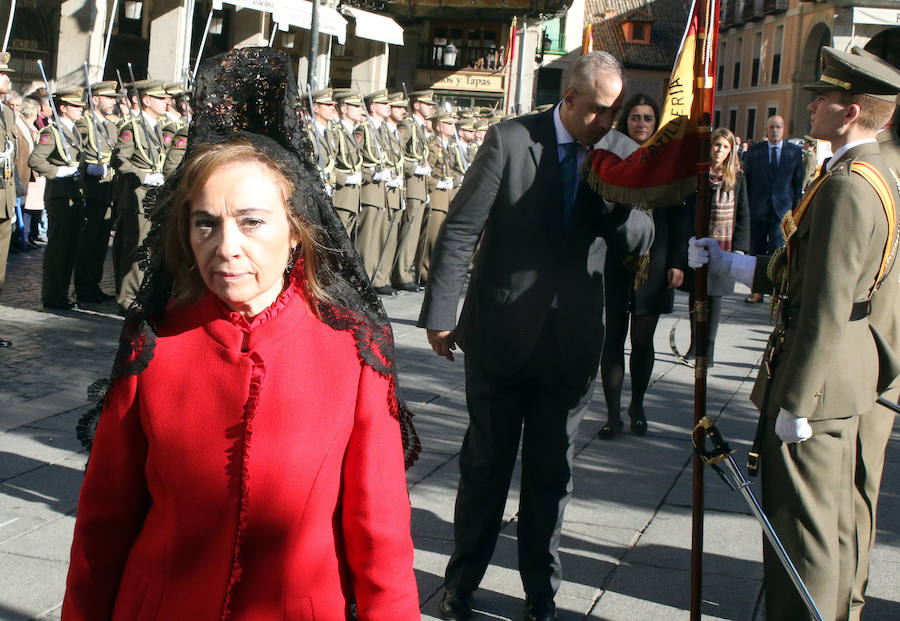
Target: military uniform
175, 152
138, 158
828, 359
347, 165
57, 157
319, 136
447, 170
374, 224
8, 141
98, 138
395, 196
415, 138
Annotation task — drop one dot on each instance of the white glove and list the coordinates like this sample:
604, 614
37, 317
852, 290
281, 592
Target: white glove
396, 182
792, 429
445, 184
354, 179
66, 171
380, 176
154, 179
329, 190
706, 251
96, 170
421, 171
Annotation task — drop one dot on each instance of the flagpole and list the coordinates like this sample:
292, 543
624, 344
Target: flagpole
704, 73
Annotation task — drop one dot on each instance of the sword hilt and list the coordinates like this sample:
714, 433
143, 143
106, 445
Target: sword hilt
720, 449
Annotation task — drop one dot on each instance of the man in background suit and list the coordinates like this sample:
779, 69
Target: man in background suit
774, 173
531, 325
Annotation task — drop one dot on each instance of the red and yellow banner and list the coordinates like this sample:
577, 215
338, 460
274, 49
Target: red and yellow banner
665, 168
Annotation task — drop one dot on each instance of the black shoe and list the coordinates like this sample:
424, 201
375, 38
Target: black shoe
539, 611
638, 420
63, 304
385, 290
5, 343
456, 605
95, 297
410, 286
611, 429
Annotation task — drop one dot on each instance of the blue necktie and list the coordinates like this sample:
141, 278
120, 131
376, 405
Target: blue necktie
569, 165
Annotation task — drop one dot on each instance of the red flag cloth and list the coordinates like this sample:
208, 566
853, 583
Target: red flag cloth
665, 167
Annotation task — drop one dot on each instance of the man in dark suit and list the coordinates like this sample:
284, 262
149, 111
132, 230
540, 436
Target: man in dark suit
774, 173
531, 325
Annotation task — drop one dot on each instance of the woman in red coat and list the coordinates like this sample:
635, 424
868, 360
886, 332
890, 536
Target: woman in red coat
248, 463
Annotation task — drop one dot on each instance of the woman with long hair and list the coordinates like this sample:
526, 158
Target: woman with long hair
729, 224
644, 304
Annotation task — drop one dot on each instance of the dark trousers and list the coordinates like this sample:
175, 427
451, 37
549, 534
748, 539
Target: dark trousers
765, 236
92, 246
542, 400
65, 220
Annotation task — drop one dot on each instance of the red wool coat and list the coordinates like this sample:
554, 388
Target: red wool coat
251, 472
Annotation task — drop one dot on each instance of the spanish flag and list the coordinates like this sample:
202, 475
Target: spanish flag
665, 168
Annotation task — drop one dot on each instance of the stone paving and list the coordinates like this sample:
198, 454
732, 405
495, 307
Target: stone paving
626, 538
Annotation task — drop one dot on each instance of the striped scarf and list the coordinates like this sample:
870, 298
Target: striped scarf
721, 212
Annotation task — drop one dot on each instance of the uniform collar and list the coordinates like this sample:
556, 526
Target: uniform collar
841, 151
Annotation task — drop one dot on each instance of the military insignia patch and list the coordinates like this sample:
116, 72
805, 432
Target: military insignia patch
180, 142
167, 139
359, 138
45, 138
126, 136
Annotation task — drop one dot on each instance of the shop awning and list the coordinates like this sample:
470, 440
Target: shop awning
375, 27
299, 13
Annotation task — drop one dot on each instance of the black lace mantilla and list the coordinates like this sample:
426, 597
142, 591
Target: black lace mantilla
251, 93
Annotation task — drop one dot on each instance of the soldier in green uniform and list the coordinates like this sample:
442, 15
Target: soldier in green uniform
466, 129
174, 119
347, 157
8, 141
414, 136
395, 189
447, 170
57, 156
374, 224
835, 348
323, 115
138, 158
98, 138
175, 152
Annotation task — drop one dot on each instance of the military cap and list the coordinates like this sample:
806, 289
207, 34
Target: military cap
485, 112
544, 107
153, 88
442, 116
70, 96
482, 124
4, 63
466, 124
175, 90
397, 100
380, 96
348, 96
857, 72
507, 117
106, 89
323, 96
493, 121
425, 97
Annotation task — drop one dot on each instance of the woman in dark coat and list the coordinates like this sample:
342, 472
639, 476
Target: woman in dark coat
644, 304
729, 224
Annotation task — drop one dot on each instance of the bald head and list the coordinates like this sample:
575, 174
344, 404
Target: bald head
775, 129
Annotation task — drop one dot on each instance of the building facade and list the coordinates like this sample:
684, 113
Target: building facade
769, 48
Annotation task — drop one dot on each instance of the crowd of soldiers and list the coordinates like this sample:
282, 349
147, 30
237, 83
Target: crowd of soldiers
104, 148
393, 164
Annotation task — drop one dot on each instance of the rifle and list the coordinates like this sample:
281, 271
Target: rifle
315, 133
462, 152
154, 164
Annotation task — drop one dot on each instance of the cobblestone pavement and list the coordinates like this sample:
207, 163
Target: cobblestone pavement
626, 538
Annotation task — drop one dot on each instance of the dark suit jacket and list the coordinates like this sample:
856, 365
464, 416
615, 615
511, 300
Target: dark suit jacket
512, 192
770, 198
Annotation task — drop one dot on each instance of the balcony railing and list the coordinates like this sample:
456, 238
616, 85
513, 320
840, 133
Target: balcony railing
775, 6
485, 58
753, 10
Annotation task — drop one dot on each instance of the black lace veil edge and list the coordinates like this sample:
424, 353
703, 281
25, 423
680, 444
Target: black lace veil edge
251, 93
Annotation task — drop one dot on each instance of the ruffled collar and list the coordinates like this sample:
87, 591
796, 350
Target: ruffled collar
239, 320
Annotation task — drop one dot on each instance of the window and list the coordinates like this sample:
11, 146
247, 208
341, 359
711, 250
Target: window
556, 30
772, 111
717, 118
751, 123
720, 74
732, 120
478, 46
757, 50
736, 79
637, 32
776, 54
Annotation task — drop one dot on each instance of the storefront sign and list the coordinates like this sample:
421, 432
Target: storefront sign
882, 17
460, 80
